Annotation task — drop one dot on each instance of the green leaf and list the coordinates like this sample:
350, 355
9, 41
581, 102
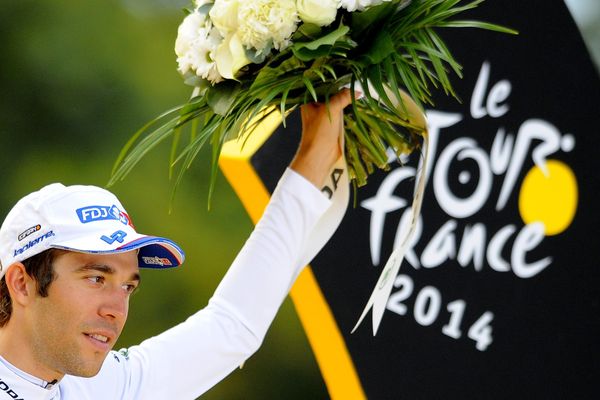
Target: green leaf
478, 24
269, 76
372, 17
117, 166
174, 147
331, 71
217, 144
382, 47
310, 87
221, 97
376, 80
282, 108
307, 31
308, 51
439, 43
191, 79
291, 64
141, 149
191, 151
265, 76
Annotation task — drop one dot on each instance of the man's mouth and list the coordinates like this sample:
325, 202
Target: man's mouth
100, 338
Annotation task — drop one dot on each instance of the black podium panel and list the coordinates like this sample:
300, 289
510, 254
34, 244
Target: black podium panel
499, 295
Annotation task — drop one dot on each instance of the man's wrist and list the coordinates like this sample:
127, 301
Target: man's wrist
314, 164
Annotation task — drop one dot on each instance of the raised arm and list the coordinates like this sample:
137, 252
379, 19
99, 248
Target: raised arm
195, 355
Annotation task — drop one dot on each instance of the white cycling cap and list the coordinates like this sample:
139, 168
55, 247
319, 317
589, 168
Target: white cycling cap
85, 219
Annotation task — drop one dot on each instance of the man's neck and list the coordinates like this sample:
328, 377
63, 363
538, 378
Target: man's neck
16, 353
27, 377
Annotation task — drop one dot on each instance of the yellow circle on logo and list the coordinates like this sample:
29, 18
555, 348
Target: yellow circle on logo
550, 199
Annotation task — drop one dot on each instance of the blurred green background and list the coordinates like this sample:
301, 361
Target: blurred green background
77, 78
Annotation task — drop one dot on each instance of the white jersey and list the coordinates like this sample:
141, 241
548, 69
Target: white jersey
190, 358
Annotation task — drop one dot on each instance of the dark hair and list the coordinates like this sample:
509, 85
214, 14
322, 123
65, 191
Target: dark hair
39, 267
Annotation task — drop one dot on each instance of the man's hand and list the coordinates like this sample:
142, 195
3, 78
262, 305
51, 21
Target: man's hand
320, 145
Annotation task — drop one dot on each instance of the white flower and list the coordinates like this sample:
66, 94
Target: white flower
266, 22
224, 15
187, 33
360, 5
230, 56
206, 49
319, 12
196, 44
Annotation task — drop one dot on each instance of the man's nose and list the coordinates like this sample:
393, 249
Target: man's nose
115, 305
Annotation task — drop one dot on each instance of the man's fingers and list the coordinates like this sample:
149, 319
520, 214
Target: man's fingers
340, 100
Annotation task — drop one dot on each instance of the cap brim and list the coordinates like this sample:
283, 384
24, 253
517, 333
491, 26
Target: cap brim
154, 251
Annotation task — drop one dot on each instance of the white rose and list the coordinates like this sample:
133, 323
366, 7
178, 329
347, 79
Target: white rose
266, 22
230, 56
224, 15
319, 12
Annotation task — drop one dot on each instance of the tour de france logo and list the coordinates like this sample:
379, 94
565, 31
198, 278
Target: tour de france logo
547, 195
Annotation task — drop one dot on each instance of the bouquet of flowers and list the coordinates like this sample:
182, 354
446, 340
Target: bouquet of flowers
248, 58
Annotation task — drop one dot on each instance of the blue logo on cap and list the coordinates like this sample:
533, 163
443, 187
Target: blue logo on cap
118, 236
101, 213
33, 243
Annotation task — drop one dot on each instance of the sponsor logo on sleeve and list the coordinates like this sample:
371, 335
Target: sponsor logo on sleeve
124, 353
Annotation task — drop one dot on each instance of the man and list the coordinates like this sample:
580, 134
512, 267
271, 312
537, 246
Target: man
69, 262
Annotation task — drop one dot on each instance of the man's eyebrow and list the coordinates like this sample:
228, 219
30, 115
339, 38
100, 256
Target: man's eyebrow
106, 269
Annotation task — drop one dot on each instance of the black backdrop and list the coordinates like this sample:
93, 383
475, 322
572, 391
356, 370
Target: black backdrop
467, 320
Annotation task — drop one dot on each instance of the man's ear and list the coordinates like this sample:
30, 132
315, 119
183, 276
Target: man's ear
20, 285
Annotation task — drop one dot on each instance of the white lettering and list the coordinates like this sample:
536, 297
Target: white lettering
501, 151
395, 302
437, 120
530, 236
456, 309
441, 247
530, 130
472, 246
494, 251
383, 203
499, 93
510, 248
454, 206
427, 306
477, 109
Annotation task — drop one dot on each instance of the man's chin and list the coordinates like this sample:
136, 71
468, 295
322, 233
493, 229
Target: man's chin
89, 369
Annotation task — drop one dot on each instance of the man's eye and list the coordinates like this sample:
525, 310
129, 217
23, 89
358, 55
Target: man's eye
129, 288
96, 279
